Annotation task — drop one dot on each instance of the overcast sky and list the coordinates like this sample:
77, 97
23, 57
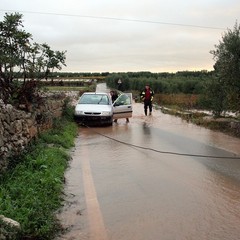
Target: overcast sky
129, 35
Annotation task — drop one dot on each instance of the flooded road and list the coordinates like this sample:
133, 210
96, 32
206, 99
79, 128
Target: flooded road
117, 191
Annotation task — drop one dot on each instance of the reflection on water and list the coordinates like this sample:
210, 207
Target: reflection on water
146, 129
148, 195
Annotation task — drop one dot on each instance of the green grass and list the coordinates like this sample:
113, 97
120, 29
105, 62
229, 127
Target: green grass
83, 88
65, 88
31, 192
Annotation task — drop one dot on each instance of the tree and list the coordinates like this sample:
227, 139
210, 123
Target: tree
20, 56
227, 67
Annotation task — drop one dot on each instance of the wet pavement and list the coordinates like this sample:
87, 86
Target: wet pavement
117, 191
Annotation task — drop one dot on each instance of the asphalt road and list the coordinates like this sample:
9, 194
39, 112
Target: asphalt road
156, 177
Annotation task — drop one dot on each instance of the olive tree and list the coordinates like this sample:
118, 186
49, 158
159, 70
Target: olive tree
20, 56
227, 67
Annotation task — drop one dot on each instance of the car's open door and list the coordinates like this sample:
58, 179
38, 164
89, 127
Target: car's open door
122, 107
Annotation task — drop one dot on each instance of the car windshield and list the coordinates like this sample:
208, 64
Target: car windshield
94, 99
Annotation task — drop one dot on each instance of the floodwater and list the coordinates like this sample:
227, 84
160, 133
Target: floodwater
116, 190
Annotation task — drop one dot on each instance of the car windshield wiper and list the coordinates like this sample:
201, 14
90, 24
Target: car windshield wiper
100, 100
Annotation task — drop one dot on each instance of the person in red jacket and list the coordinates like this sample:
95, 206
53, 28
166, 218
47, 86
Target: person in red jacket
147, 98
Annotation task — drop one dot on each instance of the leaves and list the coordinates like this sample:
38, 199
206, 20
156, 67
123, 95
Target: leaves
19, 54
227, 66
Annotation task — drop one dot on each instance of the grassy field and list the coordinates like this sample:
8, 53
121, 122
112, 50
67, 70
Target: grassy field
185, 101
64, 88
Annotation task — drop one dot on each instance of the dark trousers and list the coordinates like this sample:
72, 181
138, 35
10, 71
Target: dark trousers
147, 104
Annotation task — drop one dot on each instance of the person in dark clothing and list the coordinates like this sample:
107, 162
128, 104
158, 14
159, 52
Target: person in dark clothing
114, 95
147, 97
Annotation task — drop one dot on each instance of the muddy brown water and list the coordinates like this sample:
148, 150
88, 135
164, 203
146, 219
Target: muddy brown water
116, 191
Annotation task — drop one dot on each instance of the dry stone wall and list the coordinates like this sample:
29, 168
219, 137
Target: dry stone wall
18, 128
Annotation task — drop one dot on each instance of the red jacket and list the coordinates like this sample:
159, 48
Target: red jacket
147, 94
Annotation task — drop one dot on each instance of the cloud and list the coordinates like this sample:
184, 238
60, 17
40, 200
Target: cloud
96, 44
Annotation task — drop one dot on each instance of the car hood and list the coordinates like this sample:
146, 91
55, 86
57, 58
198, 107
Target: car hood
93, 107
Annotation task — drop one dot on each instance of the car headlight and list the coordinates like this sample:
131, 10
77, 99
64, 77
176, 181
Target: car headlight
106, 113
79, 112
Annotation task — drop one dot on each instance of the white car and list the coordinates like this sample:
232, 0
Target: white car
97, 108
